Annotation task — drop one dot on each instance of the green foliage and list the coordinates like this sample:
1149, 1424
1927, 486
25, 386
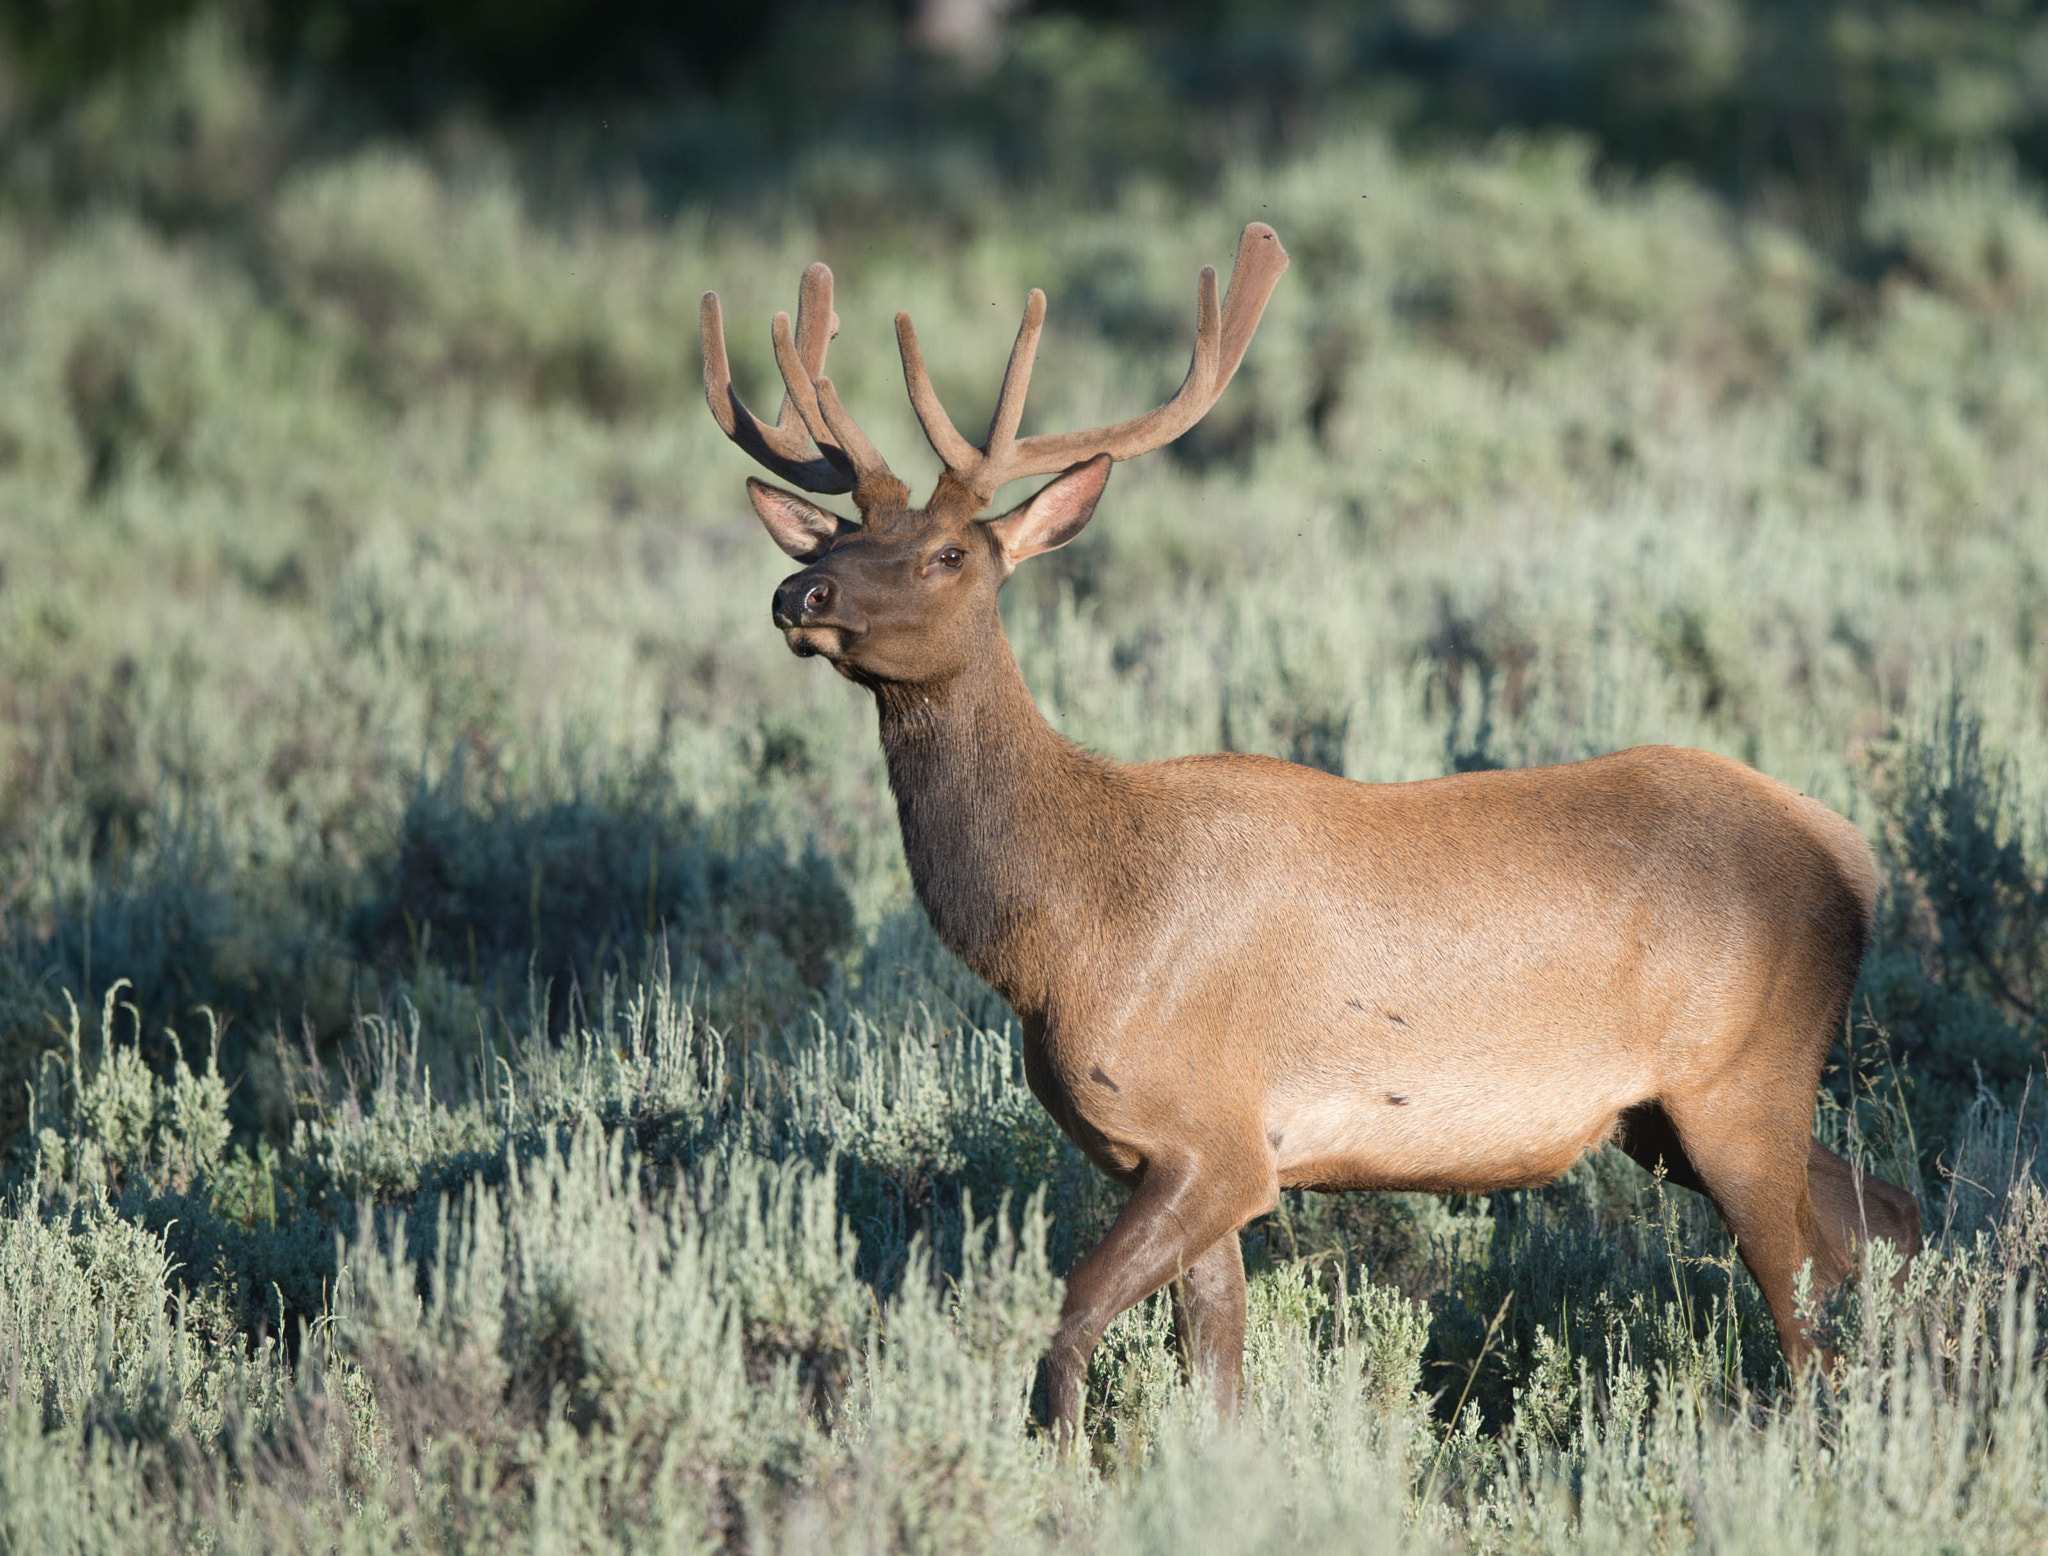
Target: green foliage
1959, 967
1786, 104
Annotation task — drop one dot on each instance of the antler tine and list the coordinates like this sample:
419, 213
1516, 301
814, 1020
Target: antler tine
801, 395
836, 433
780, 448
873, 480
1002, 427
954, 451
817, 326
1260, 263
819, 405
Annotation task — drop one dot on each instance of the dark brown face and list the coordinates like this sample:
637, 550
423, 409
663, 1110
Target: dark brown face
910, 596
903, 601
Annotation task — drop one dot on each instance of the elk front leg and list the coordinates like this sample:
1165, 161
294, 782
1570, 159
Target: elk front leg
1208, 1320
1179, 1212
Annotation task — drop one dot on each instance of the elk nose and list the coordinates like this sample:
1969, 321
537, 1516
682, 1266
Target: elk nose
801, 599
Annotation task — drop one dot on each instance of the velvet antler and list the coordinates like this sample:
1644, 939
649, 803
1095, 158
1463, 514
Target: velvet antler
1221, 336
812, 414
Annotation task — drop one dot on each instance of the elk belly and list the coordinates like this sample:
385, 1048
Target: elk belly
1438, 1134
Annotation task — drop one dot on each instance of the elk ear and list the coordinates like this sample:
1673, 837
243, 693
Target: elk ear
799, 526
1055, 515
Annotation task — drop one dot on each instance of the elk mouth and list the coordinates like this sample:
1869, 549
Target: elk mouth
815, 641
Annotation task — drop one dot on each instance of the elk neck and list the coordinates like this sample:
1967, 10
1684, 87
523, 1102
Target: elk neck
1000, 816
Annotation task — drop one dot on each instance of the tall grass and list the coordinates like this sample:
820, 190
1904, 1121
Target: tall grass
612, 1290
472, 1066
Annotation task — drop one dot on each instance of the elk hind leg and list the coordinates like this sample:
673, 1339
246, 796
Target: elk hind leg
1851, 1207
1751, 1154
1208, 1320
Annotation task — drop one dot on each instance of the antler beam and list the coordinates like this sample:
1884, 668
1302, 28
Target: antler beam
1221, 336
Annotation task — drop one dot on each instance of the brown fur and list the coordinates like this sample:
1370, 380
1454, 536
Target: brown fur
1237, 976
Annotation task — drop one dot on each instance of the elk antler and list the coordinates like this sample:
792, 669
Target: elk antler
1221, 336
811, 411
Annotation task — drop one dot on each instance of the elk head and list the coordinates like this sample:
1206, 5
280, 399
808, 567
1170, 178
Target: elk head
907, 595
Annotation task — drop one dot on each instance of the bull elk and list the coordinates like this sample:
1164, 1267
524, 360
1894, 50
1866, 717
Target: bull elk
1236, 975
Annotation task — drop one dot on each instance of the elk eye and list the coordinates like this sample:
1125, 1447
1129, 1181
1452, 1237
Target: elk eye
952, 556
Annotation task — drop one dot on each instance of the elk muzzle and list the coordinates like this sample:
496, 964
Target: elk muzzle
808, 609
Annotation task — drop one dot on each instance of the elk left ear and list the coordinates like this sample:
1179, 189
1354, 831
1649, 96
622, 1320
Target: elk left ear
1055, 515
803, 529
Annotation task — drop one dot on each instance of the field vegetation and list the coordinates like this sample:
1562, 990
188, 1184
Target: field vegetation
472, 1072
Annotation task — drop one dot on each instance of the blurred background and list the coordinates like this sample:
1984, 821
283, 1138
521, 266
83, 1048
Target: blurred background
1779, 106
387, 694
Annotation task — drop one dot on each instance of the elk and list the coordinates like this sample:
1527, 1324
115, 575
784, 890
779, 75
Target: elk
1235, 975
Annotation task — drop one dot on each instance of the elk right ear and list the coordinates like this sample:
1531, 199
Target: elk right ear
800, 527
1054, 515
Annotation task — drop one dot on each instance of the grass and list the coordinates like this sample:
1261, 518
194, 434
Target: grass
473, 1069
